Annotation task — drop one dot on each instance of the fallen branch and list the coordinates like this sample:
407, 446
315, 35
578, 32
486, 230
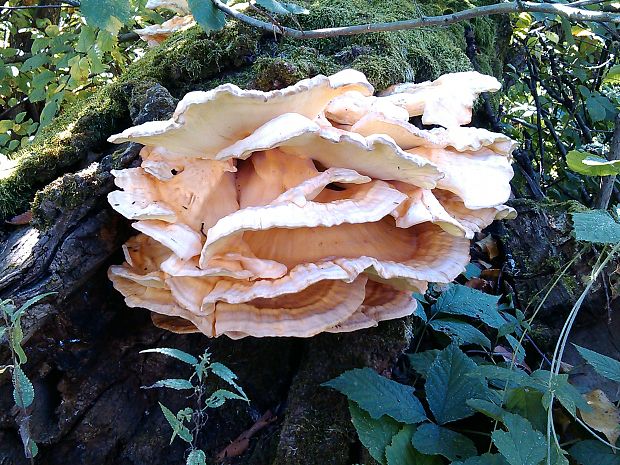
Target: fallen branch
566, 11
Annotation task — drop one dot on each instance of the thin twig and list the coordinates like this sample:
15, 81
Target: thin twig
566, 11
64, 4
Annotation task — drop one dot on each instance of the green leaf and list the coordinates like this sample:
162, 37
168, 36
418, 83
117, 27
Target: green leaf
29, 303
487, 408
596, 226
591, 165
520, 444
451, 380
465, 301
460, 331
48, 113
196, 457
374, 434
512, 376
17, 336
106, 14
281, 7
379, 396
2, 332
401, 451
517, 348
174, 353
178, 428
471, 271
173, 383
604, 366
34, 62
19, 118
431, 439
565, 392
594, 453
23, 392
613, 75
86, 39
422, 361
527, 402
225, 373
207, 15
484, 459
595, 109
219, 397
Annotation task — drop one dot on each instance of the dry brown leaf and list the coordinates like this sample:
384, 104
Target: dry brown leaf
241, 444
604, 416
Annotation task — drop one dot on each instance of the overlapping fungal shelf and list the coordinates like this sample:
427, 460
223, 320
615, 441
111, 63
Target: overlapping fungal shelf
315, 208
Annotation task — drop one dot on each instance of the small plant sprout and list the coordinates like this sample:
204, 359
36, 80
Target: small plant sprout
188, 422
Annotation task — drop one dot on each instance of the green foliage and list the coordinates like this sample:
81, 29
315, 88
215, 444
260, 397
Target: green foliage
596, 226
109, 15
187, 422
604, 366
374, 434
520, 444
207, 15
23, 390
379, 396
402, 452
594, 453
431, 439
591, 165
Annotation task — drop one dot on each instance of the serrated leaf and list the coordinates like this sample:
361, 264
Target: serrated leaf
23, 391
374, 434
487, 408
565, 392
484, 459
520, 444
431, 439
225, 373
17, 336
513, 377
401, 450
208, 17
219, 397
460, 331
604, 365
281, 8
196, 457
590, 164
452, 380
379, 396
174, 353
527, 402
177, 427
173, 383
596, 226
465, 301
422, 361
106, 14
517, 348
29, 303
594, 453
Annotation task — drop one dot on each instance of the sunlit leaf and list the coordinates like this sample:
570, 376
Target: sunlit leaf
207, 15
106, 14
596, 226
591, 165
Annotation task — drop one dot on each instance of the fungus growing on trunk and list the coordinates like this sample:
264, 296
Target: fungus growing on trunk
315, 208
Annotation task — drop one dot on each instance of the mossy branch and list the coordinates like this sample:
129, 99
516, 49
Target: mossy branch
566, 11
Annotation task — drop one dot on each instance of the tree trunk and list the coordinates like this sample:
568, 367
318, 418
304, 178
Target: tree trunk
83, 343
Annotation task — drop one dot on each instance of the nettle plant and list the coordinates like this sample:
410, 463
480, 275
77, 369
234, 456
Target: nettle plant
476, 376
12, 334
188, 422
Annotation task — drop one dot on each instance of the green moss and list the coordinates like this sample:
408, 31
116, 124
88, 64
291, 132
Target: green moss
194, 60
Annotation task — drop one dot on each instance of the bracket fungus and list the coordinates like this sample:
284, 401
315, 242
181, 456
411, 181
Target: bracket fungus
314, 208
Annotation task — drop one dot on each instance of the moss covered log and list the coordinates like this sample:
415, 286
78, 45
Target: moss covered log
194, 60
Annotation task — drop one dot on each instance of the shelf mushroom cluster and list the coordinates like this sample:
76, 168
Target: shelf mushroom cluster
315, 208
155, 34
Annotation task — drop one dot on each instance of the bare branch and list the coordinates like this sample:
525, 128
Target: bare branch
566, 11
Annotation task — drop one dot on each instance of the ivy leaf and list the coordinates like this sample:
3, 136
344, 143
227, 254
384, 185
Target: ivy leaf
604, 366
106, 14
520, 444
452, 380
172, 383
422, 361
374, 434
174, 353
460, 331
593, 452
196, 457
23, 392
591, 165
484, 459
465, 301
596, 226
402, 452
379, 396
431, 439
207, 15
